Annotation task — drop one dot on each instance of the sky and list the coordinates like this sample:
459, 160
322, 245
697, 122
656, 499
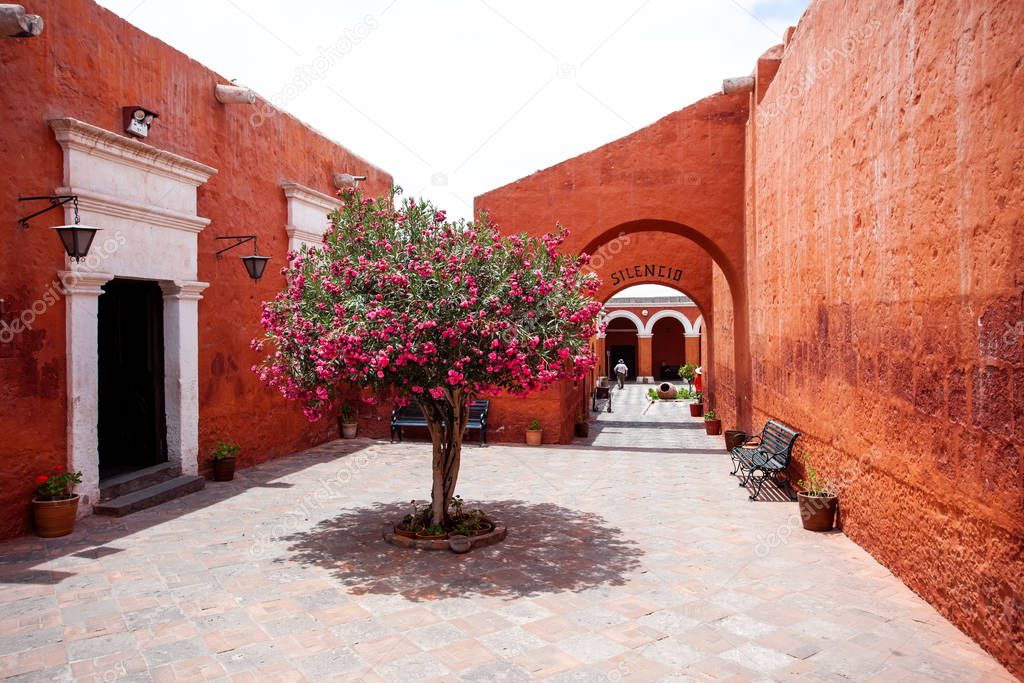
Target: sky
457, 97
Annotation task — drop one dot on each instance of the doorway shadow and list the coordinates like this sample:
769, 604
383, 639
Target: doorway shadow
549, 549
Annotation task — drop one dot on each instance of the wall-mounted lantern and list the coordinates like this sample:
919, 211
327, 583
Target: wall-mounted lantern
76, 238
14, 23
254, 264
138, 120
343, 180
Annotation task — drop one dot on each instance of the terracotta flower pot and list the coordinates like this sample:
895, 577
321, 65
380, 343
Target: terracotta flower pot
348, 430
734, 438
696, 409
818, 513
55, 517
533, 437
666, 391
712, 427
224, 469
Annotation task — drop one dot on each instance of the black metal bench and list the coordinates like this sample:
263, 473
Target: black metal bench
412, 416
765, 456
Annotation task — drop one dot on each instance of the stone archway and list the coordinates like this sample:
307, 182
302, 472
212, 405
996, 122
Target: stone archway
741, 384
682, 176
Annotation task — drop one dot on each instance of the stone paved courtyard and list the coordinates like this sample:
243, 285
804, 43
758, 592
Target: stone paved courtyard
635, 557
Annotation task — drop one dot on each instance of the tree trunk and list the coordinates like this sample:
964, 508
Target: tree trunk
446, 420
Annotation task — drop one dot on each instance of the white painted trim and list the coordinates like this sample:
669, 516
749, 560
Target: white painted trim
73, 134
116, 207
660, 315
181, 371
145, 200
698, 323
82, 292
629, 315
307, 214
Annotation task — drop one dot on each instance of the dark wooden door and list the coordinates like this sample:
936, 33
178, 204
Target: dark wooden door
132, 422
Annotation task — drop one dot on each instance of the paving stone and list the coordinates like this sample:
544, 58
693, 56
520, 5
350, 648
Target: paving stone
757, 658
91, 648
172, 652
59, 674
417, 667
630, 556
331, 663
250, 657
495, 671
435, 635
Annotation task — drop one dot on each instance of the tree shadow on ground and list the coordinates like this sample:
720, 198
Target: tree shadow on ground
549, 549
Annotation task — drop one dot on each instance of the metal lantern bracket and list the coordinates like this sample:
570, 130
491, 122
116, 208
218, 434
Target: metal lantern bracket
254, 264
76, 238
56, 201
239, 241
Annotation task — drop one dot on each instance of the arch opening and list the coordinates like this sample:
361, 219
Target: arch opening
644, 252
650, 329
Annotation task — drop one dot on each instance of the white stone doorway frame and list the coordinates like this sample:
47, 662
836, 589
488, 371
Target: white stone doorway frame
144, 200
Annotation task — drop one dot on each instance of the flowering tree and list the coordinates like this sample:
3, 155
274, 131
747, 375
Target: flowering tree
412, 307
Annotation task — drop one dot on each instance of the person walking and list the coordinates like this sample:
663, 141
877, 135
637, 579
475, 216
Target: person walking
621, 370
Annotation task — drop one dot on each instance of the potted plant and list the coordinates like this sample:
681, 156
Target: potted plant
817, 500
473, 523
582, 426
687, 373
697, 407
347, 424
55, 505
533, 433
412, 523
734, 437
434, 532
712, 423
652, 394
223, 460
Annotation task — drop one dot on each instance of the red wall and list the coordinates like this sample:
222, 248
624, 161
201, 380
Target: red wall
876, 296
87, 64
668, 345
676, 186
886, 288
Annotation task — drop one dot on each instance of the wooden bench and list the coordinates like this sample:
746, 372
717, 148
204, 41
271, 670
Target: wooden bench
765, 456
412, 416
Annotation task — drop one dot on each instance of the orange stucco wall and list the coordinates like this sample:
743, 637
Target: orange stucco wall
886, 288
670, 192
87, 64
875, 294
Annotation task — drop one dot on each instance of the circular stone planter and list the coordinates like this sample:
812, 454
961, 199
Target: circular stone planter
456, 542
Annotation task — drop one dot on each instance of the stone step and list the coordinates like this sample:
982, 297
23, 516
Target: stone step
122, 484
150, 496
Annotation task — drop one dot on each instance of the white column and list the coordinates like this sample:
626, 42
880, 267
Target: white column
181, 371
82, 291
